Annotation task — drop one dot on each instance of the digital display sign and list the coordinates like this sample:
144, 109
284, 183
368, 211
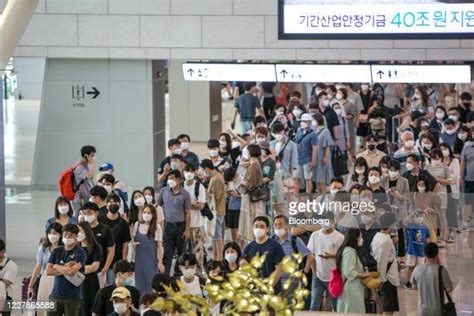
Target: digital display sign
317, 19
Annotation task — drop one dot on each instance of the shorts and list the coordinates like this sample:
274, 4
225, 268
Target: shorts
304, 172
219, 232
413, 261
468, 192
389, 296
232, 219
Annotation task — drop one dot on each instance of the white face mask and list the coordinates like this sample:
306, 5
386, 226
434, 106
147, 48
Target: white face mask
189, 175
259, 233
451, 131
260, 139
184, 146
177, 151
68, 241
147, 217
231, 257
339, 96
409, 166
63, 209
171, 183
326, 102
222, 144
436, 163
297, 112
427, 146
245, 154
89, 218
91, 199
174, 166
453, 117
409, 143
139, 201
120, 308
280, 232
149, 198
189, 273
421, 189
333, 191
360, 170
360, 242
53, 238
304, 125
365, 219
213, 152
462, 136
327, 226
279, 137
81, 236
364, 87
440, 115
374, 179
393, 174
445, 152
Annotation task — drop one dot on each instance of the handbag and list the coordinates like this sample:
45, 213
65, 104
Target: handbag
339, 162
448, 309
261, 193
75, 279
373, 281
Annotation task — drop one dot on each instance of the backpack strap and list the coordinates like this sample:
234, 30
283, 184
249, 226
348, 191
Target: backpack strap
293, 244
197, 186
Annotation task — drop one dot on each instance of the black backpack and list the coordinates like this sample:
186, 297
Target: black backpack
205, 211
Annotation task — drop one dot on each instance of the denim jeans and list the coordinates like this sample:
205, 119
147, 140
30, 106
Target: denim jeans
245, 126
318, 288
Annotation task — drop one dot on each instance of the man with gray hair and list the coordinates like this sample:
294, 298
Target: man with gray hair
408, 148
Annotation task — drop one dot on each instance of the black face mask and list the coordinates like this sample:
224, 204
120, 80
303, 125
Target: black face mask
114, 208
371, 147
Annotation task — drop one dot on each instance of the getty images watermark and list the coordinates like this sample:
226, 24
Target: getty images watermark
319, 207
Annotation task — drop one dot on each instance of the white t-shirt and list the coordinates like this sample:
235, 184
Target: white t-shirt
193, 288
196, 217
318, 244
9, 272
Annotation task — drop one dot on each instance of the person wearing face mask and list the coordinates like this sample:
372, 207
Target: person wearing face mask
149, 194
461, 139
344, 141
368, 228
408, 148
286, 150
120, 230
448, 134
414, 172
359, 174
268, 166
453, 190
107, 181
465, 104
418, 235
124, 278
453, 113
372, 155
193, 285
263, 244
428, 142
307, 144
188, 156
108, 169
220, 163
323, 245
374, 183
261, 135
93, 251
104, 237
98, 195
122, 302
227, 150
174, 147
442, 174
352, 105
330, 116
67, 260
349, 264
367, 96
177, 162
176, 204
247, 106
63, 213
148, 249
384, 253
137, 203
232, 255
41, 285
84, 172
467, 178
428, 202
440, 116
198, 195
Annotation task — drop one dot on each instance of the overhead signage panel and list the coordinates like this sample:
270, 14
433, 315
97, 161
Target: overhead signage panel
323, 73
421, 73
229, 72
300, 19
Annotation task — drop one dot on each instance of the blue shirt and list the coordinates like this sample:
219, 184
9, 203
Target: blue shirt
247, 104
288, 246
305, 142
417, 236
449, 139
274, 255
63, 289
192, 159
71, 220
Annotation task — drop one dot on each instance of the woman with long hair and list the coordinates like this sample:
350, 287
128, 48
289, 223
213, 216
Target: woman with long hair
46, 282
349, 264
359, 174
232, 256
149, 193
93, 250
137, 203
63, 213
148, 249
453, 190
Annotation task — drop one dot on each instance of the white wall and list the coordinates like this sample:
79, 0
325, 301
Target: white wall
30, 76
118, 122
200, 29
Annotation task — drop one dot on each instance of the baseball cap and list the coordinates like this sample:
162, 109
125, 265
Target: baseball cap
306, 117
106, 167
121, 292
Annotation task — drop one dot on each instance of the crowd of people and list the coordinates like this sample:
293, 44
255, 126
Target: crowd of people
408, 150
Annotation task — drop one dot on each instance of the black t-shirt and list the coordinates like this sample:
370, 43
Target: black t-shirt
102, 211
104, 306
95, 255
392, 183
331, 119
105, 238
413, 179
121, 232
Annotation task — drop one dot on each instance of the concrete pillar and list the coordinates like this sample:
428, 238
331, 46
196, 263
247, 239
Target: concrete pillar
195, 106
118, 121
13, 22
159, 77
2, 168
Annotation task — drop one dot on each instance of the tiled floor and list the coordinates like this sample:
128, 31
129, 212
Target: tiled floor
28, 210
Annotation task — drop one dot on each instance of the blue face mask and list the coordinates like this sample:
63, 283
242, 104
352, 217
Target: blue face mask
130, 281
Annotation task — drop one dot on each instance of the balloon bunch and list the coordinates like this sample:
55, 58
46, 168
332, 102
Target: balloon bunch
244, 291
